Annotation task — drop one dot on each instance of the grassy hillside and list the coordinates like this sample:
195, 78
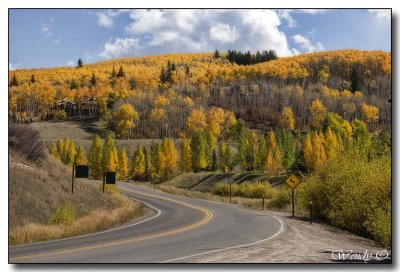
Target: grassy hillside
40, 190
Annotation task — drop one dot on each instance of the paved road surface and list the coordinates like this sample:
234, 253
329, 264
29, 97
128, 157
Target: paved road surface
180, 229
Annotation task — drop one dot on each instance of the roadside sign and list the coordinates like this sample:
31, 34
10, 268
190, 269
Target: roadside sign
292, 181
110, 177
81, 171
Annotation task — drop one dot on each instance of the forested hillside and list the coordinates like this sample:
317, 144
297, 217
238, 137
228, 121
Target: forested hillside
166, 91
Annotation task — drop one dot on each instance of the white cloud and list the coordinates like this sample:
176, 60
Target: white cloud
224, 33
119, 48
170, 31
286, 14
381, 13
70, 63
105, 20
56, 41
306, 44
45, 28
14, 66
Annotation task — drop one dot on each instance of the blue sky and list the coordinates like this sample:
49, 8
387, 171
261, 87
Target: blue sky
45, 38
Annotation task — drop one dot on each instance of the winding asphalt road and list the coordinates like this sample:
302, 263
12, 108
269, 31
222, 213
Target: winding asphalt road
181, 228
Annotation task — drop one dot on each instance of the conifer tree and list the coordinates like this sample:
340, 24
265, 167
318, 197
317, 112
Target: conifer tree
95, 159
93, 80
149, 172
121, 72
33, 79
14, 81
186, 156
80, 63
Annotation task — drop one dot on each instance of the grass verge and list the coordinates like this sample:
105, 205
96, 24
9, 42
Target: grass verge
95, 221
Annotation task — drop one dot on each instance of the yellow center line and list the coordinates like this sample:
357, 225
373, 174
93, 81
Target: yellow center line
208, 216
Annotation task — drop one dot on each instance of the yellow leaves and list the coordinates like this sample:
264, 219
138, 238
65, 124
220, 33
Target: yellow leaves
123, 165
158, 114
370, 113
318, 112
196, 121
80, 157
273, 158
314, 155
161, 101
125, 118
186, 156
287, 118
188, 102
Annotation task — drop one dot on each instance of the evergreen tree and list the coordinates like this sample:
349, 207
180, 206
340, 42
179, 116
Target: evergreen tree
216, 54
187, 71
262, 151
14, 81
80, 63
186, 156
226, 158
95, 159
254, 146
33, 79
123, 165
139, 163
93, 80
163, 79
121, 72
80, 157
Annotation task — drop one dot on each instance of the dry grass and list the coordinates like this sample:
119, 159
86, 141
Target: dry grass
251, 203
95, 221
82, 133
36, 191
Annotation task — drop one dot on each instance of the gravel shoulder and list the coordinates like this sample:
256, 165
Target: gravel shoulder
302, 242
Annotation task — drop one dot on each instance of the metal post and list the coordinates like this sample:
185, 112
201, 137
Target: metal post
104, 180
311, 212
263, 203
73, 176
230, 192
292, 202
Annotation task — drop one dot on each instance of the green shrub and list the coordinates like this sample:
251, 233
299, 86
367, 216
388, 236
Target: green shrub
63, 215
354, 193
281, 200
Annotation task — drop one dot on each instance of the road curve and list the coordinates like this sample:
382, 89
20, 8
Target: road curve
181, 228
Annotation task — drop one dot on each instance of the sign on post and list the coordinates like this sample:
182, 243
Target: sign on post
81, 171
292, 181
110, 177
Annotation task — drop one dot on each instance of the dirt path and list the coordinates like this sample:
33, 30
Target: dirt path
301, 242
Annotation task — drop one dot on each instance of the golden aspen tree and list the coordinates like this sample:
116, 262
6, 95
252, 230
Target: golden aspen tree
286, 120
318, 112
110, 154
186, 156
319, 154
138, 162
95, 158
254, 144
71, 152
170, 157
331, 144
196, 121
370, 113
80, 157
54, 152
273, 159
123, 165
124, 119
308, 152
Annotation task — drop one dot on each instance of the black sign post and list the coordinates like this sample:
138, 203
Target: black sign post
108, 178
79, 171
73, 176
